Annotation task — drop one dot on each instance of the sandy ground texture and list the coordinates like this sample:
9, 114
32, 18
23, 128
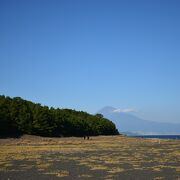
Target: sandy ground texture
103, 157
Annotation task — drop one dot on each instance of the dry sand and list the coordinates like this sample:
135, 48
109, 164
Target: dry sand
102, 157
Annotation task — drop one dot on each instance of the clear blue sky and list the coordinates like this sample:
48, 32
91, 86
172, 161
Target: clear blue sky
86, 54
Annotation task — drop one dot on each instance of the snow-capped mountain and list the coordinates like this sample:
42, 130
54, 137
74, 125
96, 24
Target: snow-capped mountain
126, 121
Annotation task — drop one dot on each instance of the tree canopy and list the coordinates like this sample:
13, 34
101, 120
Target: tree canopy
19, 116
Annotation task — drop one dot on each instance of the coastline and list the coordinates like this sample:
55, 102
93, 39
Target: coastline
168, 137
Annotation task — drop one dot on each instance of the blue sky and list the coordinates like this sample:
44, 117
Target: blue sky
86, 54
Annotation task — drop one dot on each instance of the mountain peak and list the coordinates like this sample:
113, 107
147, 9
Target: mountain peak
106, 109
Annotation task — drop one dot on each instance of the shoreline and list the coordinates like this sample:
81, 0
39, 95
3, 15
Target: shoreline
167, 137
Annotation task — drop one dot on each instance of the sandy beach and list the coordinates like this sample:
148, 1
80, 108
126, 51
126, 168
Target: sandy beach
102, 157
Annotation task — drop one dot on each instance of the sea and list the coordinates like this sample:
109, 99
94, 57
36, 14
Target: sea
177, 137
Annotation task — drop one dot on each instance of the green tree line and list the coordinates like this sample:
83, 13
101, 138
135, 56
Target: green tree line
19, 116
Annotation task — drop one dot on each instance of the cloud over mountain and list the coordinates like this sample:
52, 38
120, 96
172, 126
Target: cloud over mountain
126, 110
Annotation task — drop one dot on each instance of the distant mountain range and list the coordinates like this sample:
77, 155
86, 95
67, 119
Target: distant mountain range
130, 124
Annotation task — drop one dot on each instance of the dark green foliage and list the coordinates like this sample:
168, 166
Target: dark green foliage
8, 125
18, 116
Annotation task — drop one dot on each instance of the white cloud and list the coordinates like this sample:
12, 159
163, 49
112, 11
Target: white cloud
126, 110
